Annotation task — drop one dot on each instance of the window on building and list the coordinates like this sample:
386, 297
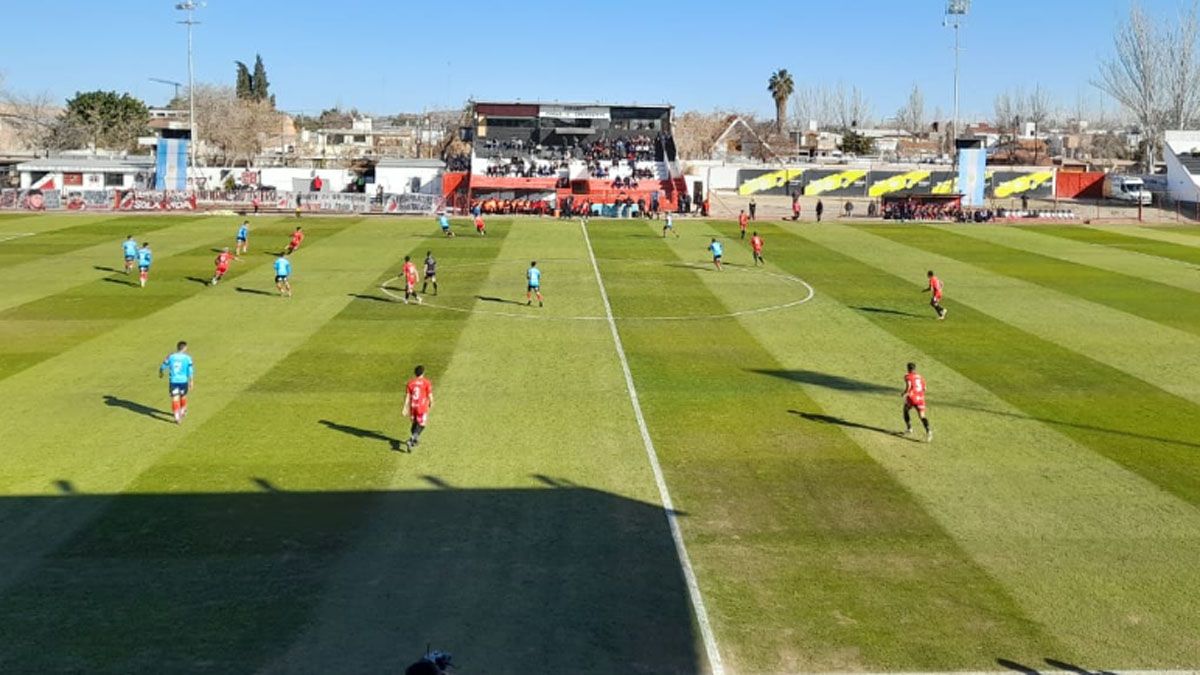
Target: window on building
114, 180
72, 179
360, 139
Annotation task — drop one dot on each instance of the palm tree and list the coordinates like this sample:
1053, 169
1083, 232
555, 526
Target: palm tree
781, 87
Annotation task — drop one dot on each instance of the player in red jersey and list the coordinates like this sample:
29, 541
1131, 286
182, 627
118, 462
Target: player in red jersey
410, 280
418, 399
914, 397
935, 299
222, 263
743, 220
756, 244
479, 226
297, 238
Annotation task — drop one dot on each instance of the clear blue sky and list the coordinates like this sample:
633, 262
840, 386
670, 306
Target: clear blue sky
392, 56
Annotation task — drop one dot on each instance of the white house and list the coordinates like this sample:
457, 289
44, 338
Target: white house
398, 175
86, 173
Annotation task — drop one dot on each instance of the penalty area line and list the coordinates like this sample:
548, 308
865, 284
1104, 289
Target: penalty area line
689, 575
14, 235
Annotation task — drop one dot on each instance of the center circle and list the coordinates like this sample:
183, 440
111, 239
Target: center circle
806, 293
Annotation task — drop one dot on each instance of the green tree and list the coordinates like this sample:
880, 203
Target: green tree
260, 86
106, 119
781, 87
856, 143
244, 85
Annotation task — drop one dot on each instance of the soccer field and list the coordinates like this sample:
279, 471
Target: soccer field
1052, 522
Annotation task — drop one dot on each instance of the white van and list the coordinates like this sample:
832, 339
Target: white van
1126, 189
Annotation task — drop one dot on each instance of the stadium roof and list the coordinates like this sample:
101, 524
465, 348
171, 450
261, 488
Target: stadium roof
135, 163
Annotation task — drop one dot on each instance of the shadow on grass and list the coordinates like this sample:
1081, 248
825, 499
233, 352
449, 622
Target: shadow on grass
267, 579
198, 280
103, 268
889, 311
253, 291
838, 421
359, 432
501, 301
139, 408
840, 383
123, 282
829, 381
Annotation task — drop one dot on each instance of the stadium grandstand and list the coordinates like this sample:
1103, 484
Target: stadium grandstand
570, 159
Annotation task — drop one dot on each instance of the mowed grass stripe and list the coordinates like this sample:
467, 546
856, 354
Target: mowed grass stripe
1138, 240
1156, 354
68, 233
1147, 299
234, 337
320, 419
46, 327
1060, 527
88, 422
1151, 268
810, 556
1126, 419
566, 558
52, 274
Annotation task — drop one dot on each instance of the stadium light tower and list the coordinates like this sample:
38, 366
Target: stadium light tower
956, 11
190, 6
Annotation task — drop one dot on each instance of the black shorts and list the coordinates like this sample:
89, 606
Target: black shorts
533, 289
716, 258
430, 276
178, 388
143, 268
281, 278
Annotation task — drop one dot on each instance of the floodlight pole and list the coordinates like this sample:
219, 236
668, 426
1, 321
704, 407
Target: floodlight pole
955, 11
189, 6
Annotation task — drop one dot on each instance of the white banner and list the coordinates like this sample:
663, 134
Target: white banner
574, 112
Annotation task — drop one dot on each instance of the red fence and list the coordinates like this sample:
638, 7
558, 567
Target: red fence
1079, 185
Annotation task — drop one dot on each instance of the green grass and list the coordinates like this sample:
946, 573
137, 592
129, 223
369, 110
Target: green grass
1053, 517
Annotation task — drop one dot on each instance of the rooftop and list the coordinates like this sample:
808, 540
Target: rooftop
136, 163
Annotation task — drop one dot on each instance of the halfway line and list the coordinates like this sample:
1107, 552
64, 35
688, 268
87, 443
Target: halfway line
706, 631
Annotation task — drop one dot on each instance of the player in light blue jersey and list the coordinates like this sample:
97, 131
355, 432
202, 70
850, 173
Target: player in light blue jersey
144, 258
283, 272
181, 378
129, 250
444, 223
669, 226
534, 278
717, 250
243, 238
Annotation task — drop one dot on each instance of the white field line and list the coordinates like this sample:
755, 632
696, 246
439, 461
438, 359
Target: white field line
706, 631
14, 235
538, 316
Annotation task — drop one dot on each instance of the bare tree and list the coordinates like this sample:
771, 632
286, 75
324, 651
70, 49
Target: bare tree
835, 106
1037, 111
1154, 74
696, 132
32, 118
233, 130
911, 116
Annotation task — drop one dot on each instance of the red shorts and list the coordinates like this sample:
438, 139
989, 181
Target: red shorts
222, 270
936, 298
421, 416
410, 283
918, 403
